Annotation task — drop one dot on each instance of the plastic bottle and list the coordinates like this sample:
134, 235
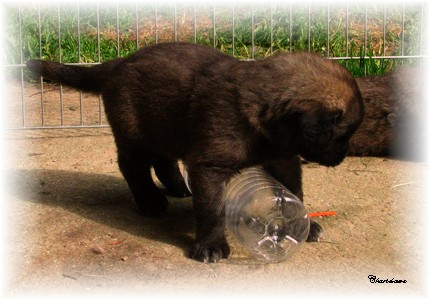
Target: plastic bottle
264, 216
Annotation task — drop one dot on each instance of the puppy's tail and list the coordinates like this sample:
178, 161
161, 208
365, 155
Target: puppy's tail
87, 79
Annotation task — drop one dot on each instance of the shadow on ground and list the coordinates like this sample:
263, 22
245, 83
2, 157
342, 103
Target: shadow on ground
104, 199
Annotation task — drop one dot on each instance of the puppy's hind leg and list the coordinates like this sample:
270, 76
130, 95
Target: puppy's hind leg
168, 172
135, 165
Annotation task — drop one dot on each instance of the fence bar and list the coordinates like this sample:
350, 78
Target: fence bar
99, 56
57, 127
175, 21
337, 57
252, 30
271, 27
213, 23
137, 24
365, 35
403, 29
233, 29
384, 31
79, 33
347, 28
39, 25
309, 25
81, 111
328, 28
59, 47
195, 22
21, 61
421, 29
117, 29
291, 25
156, 22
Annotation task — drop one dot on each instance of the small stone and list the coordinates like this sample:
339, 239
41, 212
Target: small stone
124, 258
97, 250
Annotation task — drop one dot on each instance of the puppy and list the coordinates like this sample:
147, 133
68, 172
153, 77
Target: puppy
394, 121
218, 115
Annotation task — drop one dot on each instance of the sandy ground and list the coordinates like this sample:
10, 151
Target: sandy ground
74, 229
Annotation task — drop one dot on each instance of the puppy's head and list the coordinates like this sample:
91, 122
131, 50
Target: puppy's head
325, 132
322, 108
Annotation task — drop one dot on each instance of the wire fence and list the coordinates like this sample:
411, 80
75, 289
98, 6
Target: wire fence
367, 37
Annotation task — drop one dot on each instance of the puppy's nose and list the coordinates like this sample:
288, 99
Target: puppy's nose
333, 158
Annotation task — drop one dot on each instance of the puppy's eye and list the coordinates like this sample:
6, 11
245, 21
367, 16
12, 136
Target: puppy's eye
335, 118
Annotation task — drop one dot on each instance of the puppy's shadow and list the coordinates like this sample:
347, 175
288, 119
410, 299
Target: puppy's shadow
105, 199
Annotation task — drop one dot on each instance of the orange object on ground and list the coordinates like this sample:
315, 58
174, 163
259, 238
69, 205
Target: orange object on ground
322, 214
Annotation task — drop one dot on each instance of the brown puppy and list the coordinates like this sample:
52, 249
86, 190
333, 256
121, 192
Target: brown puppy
395, 115
218, 114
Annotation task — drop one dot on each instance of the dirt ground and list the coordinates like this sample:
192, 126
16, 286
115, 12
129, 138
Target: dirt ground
73, 228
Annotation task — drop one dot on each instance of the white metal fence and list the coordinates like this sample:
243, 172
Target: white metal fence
367, 37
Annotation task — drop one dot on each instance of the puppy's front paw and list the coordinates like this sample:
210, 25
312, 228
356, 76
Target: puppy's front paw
315, 233
210, 252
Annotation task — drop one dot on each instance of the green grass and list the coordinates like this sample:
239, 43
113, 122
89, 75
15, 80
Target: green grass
281, 32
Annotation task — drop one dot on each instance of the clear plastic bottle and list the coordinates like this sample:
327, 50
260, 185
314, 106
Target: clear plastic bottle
264, 216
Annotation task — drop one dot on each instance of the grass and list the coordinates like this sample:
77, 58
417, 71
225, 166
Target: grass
299, 27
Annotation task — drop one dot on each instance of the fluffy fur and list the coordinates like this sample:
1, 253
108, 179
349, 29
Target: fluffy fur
217, 114
394, 120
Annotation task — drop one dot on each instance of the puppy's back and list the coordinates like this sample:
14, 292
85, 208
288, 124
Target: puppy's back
394, 120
